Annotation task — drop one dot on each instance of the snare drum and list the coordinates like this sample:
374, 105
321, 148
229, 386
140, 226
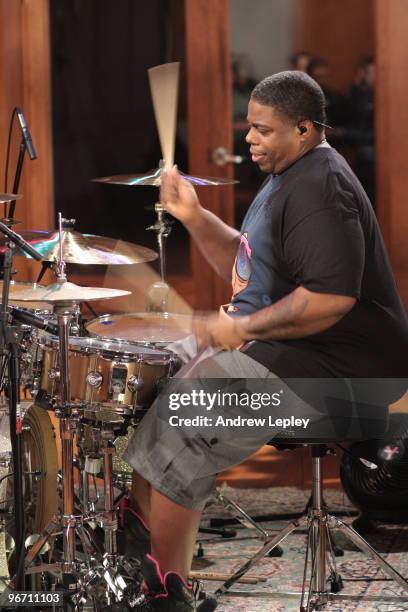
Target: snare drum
119, 376
153, 329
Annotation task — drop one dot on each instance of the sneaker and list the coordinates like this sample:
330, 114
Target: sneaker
168, 593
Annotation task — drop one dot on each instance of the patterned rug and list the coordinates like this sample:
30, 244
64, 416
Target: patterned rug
360, 574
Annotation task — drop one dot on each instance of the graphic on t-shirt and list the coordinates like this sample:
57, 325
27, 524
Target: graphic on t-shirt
242, 267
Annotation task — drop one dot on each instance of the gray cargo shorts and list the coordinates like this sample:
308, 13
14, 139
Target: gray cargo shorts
183, 467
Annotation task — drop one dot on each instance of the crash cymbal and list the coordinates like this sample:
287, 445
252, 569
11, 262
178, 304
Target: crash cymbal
83, 248
152, 177
9, 197
65, 292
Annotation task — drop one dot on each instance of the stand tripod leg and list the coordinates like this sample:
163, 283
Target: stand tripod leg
110, 522
263, 552
369, 550
67, 427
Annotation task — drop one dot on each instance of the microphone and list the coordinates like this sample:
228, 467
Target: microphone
26, 134
20, 242
24, 316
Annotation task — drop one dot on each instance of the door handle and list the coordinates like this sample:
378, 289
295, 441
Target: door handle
221, 157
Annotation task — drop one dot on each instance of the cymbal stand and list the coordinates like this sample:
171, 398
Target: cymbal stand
10, 338
158, 292
96, 568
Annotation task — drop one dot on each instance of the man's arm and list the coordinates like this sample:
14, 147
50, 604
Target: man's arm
297, 315
217, 241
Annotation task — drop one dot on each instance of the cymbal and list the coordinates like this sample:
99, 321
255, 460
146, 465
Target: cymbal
16, 287
9, 197
152, 177
65, 292
83, 248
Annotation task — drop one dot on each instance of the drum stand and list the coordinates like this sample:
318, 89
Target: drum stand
158, 292
68, 523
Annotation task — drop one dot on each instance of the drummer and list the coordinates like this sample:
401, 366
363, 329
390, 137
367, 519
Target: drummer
313, 297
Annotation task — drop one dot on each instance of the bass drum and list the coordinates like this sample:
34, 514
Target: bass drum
40, 474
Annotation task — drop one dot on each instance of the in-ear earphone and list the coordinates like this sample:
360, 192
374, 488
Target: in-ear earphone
302, 129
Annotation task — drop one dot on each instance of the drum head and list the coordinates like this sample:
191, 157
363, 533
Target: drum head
39, 454
147, 328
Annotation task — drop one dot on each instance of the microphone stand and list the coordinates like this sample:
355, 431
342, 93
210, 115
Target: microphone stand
19, 169
10, 337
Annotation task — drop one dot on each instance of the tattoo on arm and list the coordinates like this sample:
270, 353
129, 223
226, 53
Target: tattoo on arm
299, 314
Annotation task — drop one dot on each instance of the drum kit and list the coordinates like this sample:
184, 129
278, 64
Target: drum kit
96, 379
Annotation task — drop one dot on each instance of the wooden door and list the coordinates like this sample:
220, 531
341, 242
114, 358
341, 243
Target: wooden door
208, 73
391, 23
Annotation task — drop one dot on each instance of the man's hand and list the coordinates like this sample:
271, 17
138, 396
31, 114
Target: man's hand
219, 329
178, 197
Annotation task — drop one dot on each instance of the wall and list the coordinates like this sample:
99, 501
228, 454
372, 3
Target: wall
392, 132
24, 75
340, 32
262, 29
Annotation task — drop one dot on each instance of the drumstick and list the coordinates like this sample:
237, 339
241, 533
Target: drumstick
164, 89
223, 577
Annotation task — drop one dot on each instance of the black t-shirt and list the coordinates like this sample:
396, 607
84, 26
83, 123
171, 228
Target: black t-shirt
313, 226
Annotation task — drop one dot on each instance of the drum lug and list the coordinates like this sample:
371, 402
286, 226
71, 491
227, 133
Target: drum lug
135, 383
162, 383
54, 374
94, 379
175, 364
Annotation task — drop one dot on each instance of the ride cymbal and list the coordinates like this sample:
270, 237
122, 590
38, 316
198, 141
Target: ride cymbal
83, 248
152, 177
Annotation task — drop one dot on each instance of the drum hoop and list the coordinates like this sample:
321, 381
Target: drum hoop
51, 343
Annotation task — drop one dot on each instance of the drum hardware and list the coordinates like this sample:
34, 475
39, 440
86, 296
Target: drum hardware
65, 296
158, 293
9, 350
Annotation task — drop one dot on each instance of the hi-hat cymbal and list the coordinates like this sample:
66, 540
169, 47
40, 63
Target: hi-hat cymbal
83, 248
9, 197
65, 292
152, 177
16, 287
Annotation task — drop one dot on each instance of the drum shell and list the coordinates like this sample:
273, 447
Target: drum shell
117, 376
